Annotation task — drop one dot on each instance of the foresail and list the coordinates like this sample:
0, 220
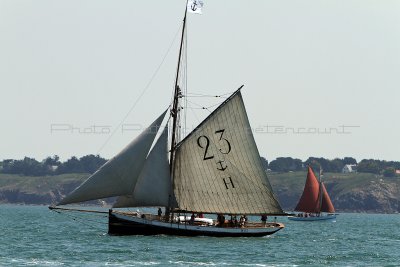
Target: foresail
154, 184
117, 176
217, 168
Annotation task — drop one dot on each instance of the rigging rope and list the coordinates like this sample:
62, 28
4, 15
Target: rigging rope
80, 220
141, 94
205, 95
202, 107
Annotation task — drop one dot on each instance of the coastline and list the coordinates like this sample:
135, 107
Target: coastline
355, 193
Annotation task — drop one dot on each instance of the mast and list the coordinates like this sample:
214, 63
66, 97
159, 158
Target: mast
177, 94
320, 190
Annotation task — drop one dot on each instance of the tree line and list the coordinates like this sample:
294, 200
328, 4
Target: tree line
52, 165
380, 167
90, 163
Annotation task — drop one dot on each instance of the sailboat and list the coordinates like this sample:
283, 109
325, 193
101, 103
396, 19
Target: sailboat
213, 171
315, 203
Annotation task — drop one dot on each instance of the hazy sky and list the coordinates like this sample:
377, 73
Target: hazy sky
307, 66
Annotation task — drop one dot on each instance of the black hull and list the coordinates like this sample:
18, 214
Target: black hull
118, 226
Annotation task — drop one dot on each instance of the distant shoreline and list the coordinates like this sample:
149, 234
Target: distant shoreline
350, 193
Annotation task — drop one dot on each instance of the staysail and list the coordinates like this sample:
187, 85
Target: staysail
217, 168
154, 184
309, 200
119, 175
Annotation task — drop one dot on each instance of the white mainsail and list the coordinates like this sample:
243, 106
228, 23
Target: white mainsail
218, 169
154, 184
119, 175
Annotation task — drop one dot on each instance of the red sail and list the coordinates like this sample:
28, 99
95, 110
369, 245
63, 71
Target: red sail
309, 199
327, 205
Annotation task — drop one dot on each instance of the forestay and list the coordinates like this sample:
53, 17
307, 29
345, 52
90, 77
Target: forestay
218, 169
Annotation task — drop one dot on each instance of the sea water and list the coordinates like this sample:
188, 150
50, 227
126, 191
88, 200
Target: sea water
36, 236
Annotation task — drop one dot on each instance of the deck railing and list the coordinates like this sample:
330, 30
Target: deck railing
153, 217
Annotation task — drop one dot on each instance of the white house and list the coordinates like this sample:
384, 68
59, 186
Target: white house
348, 168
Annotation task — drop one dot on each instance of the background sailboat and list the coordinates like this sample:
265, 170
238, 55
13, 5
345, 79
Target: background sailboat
314, 201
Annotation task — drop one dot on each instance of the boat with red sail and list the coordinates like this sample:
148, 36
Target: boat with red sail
315, 203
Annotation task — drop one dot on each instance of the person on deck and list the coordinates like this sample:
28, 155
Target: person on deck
242, 220
221, 220
245, 219
235, 221
159, 212
192, 218
231, 220
264, 219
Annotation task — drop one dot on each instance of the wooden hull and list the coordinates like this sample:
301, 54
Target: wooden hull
124, 224
329, 217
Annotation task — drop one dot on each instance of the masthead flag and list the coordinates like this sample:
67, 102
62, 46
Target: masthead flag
195, 6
